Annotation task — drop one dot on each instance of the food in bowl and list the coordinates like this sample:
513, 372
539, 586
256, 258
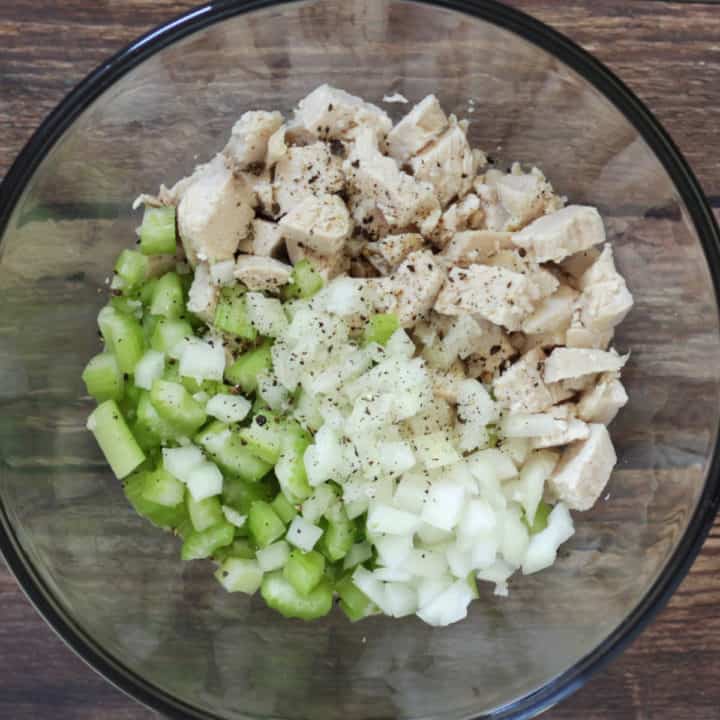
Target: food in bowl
354, 359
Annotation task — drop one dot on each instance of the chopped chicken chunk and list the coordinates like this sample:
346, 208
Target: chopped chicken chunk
553, 313
411, 290
421, 125
329, 266
306, 171
565, 363
562, 233
214, 213
446, 383
601, 403
542, 282
202, 296
266, 239
400, 197
577, 264
578, 336
261, 273
462, 215
521, 387
276, 147
448, 163
584, 469
524, 196
571, 430
248, 142
500, 295
475, 246
328, 112
388, 252
320, 223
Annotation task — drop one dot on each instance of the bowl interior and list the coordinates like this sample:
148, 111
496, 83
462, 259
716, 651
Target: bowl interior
122, 583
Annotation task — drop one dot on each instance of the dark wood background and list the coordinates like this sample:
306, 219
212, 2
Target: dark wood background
669, 54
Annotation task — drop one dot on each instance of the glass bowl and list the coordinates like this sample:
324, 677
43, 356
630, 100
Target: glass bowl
114, 587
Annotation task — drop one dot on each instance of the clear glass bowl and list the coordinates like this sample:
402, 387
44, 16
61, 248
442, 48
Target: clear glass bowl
115, 588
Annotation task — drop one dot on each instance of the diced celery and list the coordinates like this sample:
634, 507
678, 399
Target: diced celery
283, 508
151, 421
290, 467
227, 449
353, 601
241, 494
239, 575
274, 556
131, 268
126, 305
231, 314
264, 437
264, 524
337, 540
167, 297
169, 333
240, 548
541, 518
305, 281
472, 582
146, 292
115, 439
204, 513
245, 370
280, 595
304, 570
123, 336
175, 404
157, 232
164, 489
203, 544
381, 327
103, 378
234, 517
161, 515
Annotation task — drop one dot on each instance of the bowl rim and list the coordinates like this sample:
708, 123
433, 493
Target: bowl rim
592, 71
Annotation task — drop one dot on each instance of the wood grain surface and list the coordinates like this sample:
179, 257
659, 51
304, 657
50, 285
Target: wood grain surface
669, 54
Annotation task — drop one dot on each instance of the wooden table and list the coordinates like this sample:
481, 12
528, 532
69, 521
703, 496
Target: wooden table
669, 54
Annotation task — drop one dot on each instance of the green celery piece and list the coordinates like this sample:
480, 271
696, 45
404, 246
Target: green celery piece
230, 453
163, 488
125, 305
132, 268
305, 281
245, 370
290, 467
123, 337
353, 601
175, 404
102, 377
280, 595
167, 298
168, 333
337, 540
115, 439
157, 231
264, 437
304, 570
241, 494
240, 548
146, 291
231, 314
381, 327
540, 521
199, 545
239, 575
153, 423
160, 515
472, 582
204, 513
264, 524
283, 508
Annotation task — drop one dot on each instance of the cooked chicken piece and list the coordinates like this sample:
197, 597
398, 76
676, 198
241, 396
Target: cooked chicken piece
546, 340
521, 387
261, 273
388, 252
214, 213
320, 222
448, 163
499, 295
267, 239
573, 429
577, 264
565, 363
329, 266
446, 383
495, 216
493, 354
276, 147
600, 270
303, 172
421, 125
554, 313
462, 215
400, 197
475, 246
584, 469
202, 296
362, 268
601, 403
542, 282
328, 112
562, 233
248, 142
525, 196
578, 336
412, 289
369, 222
